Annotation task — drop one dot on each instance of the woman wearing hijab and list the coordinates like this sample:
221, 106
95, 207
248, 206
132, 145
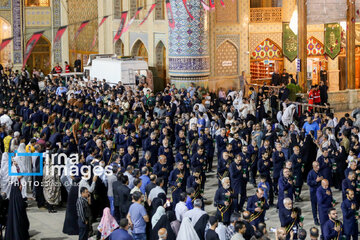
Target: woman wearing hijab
70, 224
187, 230
174, 223
160, 220
4, 175
107, 224
17, 226
52, 191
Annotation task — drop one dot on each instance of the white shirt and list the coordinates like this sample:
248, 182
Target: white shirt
155, 192
194, 214
180, 210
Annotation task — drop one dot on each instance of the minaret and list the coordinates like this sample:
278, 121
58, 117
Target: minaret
189, 58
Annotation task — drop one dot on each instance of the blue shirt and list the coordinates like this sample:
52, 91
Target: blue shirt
145, 180
61, 90
188, 203
313, 126
137, 212
120, 234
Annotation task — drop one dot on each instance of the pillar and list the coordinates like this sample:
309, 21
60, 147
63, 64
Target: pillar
189, 60
350, 44
302, 43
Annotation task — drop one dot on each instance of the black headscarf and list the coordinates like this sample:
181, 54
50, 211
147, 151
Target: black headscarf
17, 226
162, 223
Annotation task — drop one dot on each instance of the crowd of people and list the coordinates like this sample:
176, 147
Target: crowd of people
143, 160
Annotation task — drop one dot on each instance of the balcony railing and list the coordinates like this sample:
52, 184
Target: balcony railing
265, 15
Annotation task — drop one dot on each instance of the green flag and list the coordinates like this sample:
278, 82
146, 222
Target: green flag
289, 43
332, 39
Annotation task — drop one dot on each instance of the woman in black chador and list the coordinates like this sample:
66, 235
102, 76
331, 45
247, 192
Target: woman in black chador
17, 226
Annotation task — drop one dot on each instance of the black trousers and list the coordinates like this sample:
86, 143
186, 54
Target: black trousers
83, 230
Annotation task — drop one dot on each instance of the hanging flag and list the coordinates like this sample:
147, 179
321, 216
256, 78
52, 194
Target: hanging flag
222, 3
170, 14
332, 40
5, 42
31, 44
59, 33
121, 26
148, 14
82, 25
103, 20
206, 7
132, 20
212, 5
97, 30
186, 8
289, 43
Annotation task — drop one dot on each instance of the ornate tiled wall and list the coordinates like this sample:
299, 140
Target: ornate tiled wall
5, 4
226, 63
6, 14
79, 10
56, 10
189, 59
227, 14
16, 26
38, 17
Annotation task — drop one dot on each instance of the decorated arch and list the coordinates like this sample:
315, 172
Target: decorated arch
315, 47
268, 49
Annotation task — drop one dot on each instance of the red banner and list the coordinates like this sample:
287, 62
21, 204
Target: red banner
222, 3
5, 42
170, 14
186, 8
212, 5
97, 30
103, 20
82, 25
132, 20
148, 14
59, 33
121, 27
31, 44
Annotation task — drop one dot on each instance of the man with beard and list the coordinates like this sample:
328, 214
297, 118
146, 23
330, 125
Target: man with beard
238, 182
289, 217
286, 189
333, 228
177, 181
224, 201
257, 206
350, 218
313, 180
278, 159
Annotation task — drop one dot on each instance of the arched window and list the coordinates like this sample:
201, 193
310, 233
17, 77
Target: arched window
139, 50
119, 48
